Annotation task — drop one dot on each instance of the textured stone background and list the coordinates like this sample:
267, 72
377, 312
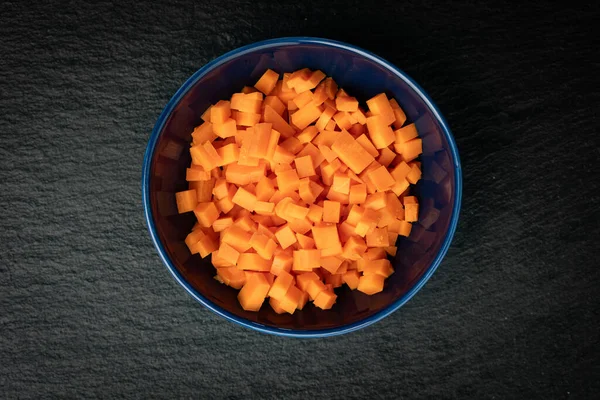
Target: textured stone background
87, 308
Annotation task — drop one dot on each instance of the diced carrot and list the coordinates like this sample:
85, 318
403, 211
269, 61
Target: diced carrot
379, 105
292, 300
220, 112
351, 152
254, 292
245, 118
308, 134
282, 156
341, 183
381, 178
285, 236
414, 175
207, 245
221, 224
228, 253
376, 201
186, 201
364, 141
275, 104
303, 98
378, 238
331, 263
253, 262
367, 223
386, 157
351, 278
314, 287
292, 144
346, 103
305, 242
331, 211
203, 133
357, 194
282, 261
244, 199
206, 213
314, 153
381, 267
325, 299
288, 181
267, 81
325, 118
327, 153
264, 207
354, 248
232, 276
331, 88
306, 260
315, 213
306, 115
406, 133
246, 102
304, 166
371, 284
303, 279
380, 132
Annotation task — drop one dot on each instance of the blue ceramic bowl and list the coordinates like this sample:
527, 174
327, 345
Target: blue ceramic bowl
362, 74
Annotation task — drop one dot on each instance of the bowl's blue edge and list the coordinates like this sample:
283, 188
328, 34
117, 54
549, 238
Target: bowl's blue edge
264, 328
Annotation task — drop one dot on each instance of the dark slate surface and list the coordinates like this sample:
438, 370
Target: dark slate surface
87, 309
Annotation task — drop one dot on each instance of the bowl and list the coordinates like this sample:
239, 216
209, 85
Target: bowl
363, 75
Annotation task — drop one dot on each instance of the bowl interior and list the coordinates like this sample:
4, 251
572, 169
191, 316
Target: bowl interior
362, 77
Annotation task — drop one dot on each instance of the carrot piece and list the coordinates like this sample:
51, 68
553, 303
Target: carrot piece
315, 213
305, 242
285, 236
358, 194
406, 133
253, 262
314, 287
331, 264
327, 239
207, 245
292, 144
267, 81
303, 83
246, 102
303, 99
245, 118
331, 211
248, 89
220, 112
288, 181
304, 166
228, 253
364, 141
308, 134
279, 124
380, 132
243, 174
221, 224
341, 183
206, 213
351, 278
310, 150
275, 104
306, 260
303, 279
355, 214
354, 248
324, 119
331, 88
196, 173
264, 208
359, 116
320, 95
253, 292
306, 115
282, 261
264, 245
292, 299
281, 285
378, 238
206, 114
325, 300
186, 201
346, 103
379, 105
229, 154
414, 175
232, 276
381, 267
203, 133
344, 120
381, 178
244, 199
367, 223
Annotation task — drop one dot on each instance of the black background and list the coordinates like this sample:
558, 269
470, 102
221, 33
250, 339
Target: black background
87, 308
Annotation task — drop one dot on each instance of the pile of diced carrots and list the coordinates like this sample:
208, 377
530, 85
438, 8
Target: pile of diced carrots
298, 190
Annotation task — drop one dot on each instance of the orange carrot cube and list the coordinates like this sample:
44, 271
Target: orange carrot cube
186, 201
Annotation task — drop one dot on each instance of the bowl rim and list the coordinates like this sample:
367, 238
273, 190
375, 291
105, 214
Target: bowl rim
287, 41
